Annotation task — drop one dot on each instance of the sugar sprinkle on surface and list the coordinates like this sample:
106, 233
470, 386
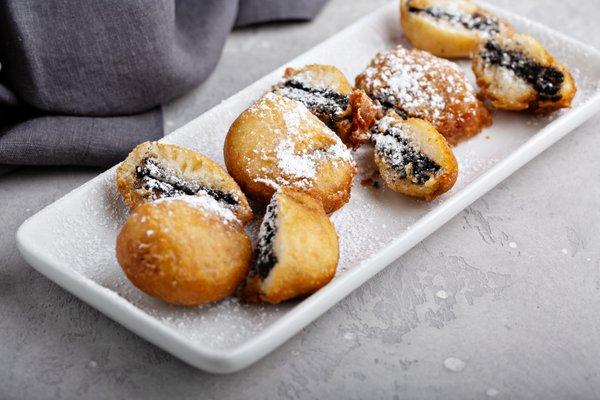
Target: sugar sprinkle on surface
205, 202
454, 364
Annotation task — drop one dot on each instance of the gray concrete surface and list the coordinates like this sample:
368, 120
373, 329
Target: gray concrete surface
520, 270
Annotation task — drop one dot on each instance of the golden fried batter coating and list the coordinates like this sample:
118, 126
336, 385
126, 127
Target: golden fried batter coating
416, 84
448, 28
297, 252
517, 73
278, 142
155, 170
186, 251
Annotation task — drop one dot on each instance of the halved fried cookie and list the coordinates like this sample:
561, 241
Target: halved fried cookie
297, 251
413, 157
448, 28
517, 73
155, 170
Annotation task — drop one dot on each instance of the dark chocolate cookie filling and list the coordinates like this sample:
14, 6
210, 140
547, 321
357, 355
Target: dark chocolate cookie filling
266, 259
388, 103
403, 154
327, 104
545, 80
475, 21
166, 183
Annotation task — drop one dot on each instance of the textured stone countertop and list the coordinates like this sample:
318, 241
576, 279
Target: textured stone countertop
518, 317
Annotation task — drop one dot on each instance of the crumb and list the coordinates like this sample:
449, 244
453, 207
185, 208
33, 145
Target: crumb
367, 182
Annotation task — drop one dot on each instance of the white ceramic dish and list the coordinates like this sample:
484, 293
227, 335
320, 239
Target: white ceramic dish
72, 240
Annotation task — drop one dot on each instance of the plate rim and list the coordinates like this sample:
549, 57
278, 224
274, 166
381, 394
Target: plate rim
235, 358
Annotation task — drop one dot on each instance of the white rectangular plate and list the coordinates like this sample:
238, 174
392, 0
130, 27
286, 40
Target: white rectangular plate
72, 240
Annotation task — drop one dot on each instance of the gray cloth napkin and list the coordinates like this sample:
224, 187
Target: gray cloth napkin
82, 81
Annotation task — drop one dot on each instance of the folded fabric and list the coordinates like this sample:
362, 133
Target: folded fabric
82, 81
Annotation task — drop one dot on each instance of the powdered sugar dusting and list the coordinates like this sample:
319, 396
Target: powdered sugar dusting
387, 123
292, 118
304, 165
298, 165
205, 202
418, 84
308, 78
